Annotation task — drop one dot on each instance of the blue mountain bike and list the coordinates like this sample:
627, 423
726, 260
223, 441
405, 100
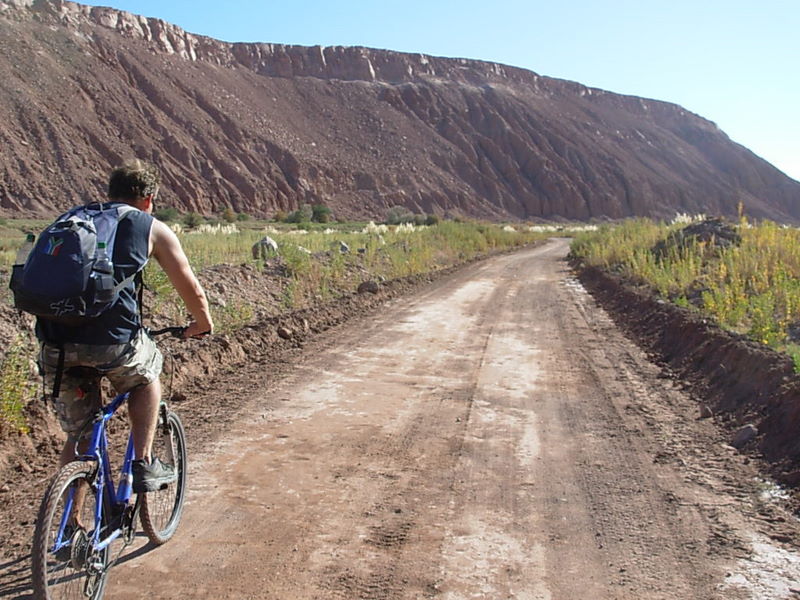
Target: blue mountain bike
83, 513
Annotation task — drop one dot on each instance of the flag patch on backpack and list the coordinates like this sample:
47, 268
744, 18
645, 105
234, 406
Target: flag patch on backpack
68, 276
53, 246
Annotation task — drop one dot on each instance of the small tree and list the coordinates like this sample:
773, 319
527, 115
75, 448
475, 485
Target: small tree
432, 220
242, 217
280, 216
192, 219
301, 215
320, 213
228, 215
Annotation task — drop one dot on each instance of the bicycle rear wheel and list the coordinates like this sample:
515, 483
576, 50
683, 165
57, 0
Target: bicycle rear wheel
161, 510
64, 565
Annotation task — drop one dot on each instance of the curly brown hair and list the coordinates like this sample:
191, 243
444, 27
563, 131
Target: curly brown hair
134, 180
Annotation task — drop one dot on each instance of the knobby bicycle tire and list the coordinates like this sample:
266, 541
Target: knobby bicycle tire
161, 510
57, 576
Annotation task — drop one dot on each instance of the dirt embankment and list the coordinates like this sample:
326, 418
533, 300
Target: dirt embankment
739, 381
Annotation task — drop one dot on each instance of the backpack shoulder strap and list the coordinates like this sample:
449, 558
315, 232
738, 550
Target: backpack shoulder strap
119, 213
106, 221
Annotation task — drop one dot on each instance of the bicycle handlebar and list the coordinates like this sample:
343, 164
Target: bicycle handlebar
173, 331
177, 332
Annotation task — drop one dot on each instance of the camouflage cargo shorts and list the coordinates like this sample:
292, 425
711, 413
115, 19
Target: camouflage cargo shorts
125, 365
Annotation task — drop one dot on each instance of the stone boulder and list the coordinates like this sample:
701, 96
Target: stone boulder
264, 248
744, 436
370, 287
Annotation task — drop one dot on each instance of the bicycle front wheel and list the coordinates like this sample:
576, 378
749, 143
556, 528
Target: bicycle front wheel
161, 510
64, 563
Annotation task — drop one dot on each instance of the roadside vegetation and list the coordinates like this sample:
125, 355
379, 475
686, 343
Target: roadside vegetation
15, 388
750, 287
320, 262
321, 259
317, 260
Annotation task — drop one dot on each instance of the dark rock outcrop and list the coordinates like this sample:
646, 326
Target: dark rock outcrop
710, 234
267, 127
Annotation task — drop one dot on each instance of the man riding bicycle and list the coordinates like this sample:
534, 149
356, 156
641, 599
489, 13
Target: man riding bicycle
115, 343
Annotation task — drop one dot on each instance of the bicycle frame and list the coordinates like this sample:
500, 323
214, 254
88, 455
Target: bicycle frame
114, 500
73, 543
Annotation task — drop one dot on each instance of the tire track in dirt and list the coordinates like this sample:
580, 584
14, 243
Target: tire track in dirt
397, 572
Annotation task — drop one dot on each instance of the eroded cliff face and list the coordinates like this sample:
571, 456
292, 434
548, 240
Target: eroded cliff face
263, 127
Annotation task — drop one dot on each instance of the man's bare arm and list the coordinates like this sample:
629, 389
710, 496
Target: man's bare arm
167, 250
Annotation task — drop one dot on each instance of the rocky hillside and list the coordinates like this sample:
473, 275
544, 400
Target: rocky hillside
263, 127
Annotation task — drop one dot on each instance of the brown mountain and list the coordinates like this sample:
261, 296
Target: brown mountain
262, 127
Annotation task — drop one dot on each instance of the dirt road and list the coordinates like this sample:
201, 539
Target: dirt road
492, 437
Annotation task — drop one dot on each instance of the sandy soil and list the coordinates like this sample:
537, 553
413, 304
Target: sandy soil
494, 436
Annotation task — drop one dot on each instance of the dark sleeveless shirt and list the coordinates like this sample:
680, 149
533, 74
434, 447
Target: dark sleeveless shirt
120, 323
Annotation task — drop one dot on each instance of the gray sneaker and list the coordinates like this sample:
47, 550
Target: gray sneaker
152, 477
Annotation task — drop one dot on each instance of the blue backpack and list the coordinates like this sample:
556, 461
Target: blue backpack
68, 276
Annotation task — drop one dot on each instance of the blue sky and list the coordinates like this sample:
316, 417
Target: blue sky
734, 62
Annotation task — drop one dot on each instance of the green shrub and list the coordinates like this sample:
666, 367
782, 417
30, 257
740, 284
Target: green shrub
297, 262
399, 214
243, 217
301, 215
320, 213
228, 215
232, 317
15, 388
192, 219
168, 214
